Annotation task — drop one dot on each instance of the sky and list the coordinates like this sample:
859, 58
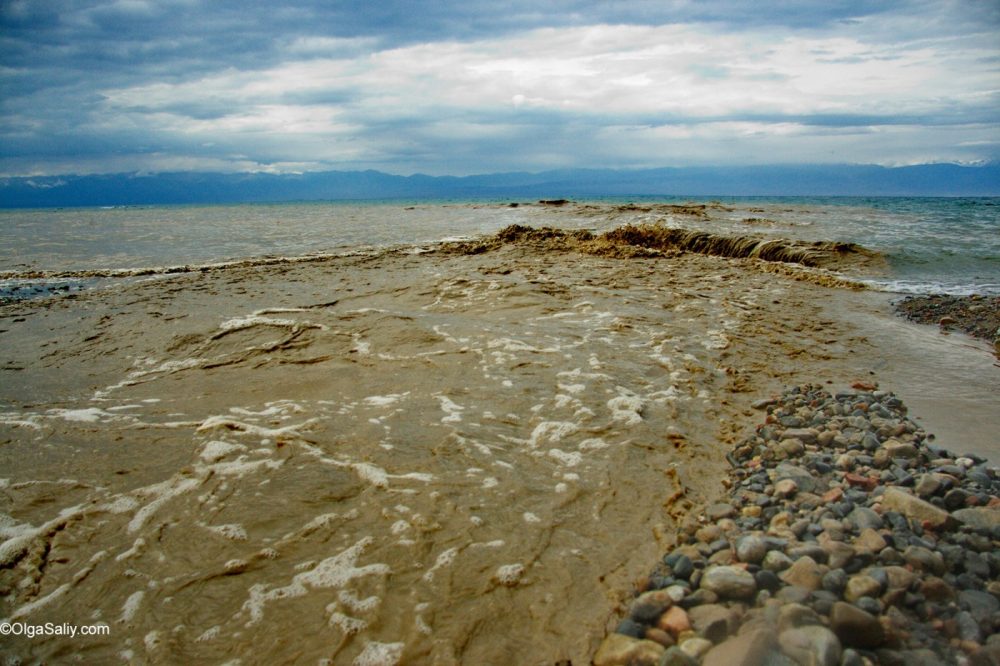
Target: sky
482, 86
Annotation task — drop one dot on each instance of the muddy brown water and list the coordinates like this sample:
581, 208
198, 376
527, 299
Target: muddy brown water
404, 457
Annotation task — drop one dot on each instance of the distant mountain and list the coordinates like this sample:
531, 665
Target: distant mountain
195, 187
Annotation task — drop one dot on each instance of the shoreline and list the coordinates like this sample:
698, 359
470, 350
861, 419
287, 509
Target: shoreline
261, 380
976, 315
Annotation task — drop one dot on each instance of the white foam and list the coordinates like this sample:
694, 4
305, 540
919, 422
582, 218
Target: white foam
241, 467
569, 459
288, 432
120, 504
349, 625
511, 345
380, 654
151, 640
669, 394
136, 549
41, 602
453, 411
335, 571
399, 527
490, 482
19, 420
562, 400
372, 474
592, 444
131, 606
163, 492
531, 518
509, 574
577, 373
384, 400
626, 409
351, 600
278, 408
551, 431
444, 559
209, 634
715, 339
217, 450
88, 415
231, 531
248, 321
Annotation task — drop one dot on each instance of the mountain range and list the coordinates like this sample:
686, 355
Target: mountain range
210, 188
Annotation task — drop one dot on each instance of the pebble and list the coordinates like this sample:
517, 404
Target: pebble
805, 573
814, 645
847, 539
751, 549
729, 582
747, 649
674, 621
856, 627
619, 649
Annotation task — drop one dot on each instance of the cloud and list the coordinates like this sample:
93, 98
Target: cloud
476, 86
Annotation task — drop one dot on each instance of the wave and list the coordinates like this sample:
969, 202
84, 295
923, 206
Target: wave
167, 270
627, 241
651, 239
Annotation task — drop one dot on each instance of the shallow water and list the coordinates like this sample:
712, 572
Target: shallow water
453, 458
394, 456
930, 245
950, 381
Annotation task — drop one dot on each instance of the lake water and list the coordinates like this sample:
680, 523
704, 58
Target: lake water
932, 245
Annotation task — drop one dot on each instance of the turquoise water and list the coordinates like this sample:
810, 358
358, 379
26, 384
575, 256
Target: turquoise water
933, 245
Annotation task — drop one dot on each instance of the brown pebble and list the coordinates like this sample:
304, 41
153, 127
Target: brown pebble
659, 636
833, 495
866, 483
675, 621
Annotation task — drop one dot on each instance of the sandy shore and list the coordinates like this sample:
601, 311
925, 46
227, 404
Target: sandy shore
448, 456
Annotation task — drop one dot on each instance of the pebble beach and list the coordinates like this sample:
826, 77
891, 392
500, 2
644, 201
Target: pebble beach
846, 537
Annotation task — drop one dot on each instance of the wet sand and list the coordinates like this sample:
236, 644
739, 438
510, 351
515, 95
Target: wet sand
408, 456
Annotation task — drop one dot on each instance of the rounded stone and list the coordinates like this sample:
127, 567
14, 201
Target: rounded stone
804, 573
834, 581
695, 647
861, 586
767, 580
648, 607
855, 627
675, 621
682, 567
811, 645
729, 582
775, 560
751, 549
786, 488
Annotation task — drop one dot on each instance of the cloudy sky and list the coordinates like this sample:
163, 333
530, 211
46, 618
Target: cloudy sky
480, 86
